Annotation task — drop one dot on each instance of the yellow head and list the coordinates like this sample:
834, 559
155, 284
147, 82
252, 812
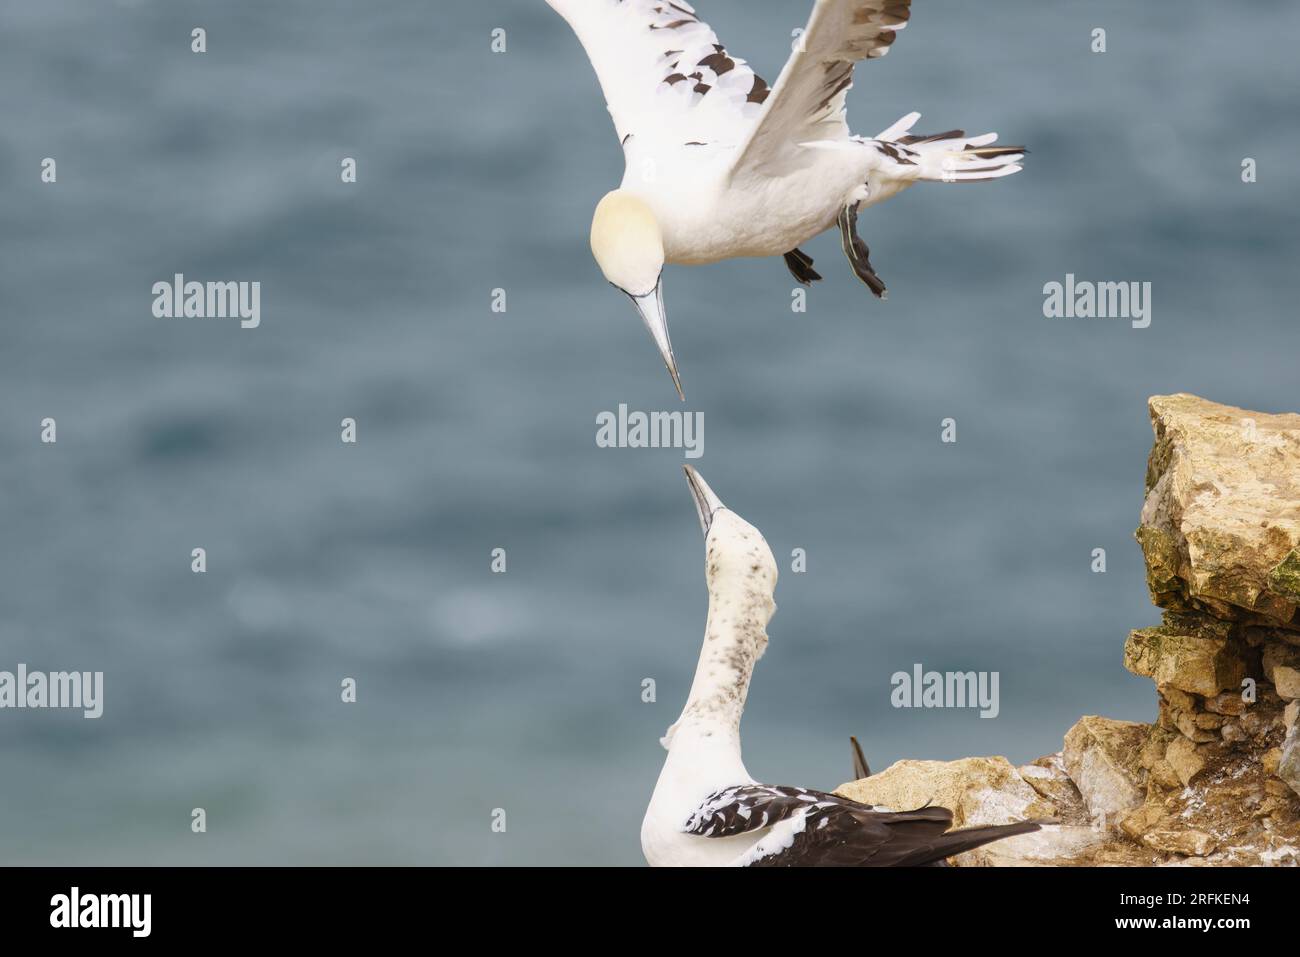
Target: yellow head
627, 244
629, 248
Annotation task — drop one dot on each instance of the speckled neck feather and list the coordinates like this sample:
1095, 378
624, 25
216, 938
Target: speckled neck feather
742, 579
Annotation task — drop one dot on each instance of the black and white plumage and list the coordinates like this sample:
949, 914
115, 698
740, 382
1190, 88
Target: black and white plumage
816, 828
718, 165
706, 808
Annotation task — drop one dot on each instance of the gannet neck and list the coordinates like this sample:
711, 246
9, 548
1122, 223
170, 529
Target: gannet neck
734, 640
741, 575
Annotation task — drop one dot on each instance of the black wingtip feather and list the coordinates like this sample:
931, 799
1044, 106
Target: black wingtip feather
860, 767
967, 839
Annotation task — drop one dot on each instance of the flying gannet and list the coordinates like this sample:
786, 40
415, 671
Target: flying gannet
719, 166
706, 809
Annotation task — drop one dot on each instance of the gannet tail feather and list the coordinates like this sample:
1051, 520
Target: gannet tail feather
958, 842
948, 157
860, 767
899, 128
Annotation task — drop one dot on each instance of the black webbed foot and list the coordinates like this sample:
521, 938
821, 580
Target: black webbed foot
800, 265
856, 250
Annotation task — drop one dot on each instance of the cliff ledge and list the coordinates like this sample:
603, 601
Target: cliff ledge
1215, 780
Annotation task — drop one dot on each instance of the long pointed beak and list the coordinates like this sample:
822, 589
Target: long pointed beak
651, 308
706, 503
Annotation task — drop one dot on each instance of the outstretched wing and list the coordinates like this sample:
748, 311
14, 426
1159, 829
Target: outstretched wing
666, 78
807, 103
818, 828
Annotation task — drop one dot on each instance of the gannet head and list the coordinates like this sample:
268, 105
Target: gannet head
629, 248
738, 558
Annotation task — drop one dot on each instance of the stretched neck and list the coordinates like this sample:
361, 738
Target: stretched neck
734, 638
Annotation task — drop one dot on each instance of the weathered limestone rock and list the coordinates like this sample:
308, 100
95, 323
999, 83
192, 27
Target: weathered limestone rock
1282, 667
1179, 699
1257, 637
1260, 727
1288, 768
1220, 526
1285, 576
1204, 721
1187, 653
1164, 776
1229, 703
1234, 735
1052, 845
1047, 776
1186, 759
976, 790
1172, 841
1155, 746
1139, 821
1271, 760
1200, 726
1216, 780
1160, 774
1102, 758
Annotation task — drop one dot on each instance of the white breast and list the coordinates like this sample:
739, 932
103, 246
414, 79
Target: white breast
701, 762
704, 218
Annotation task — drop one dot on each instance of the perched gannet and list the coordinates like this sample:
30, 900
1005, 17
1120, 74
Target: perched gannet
706, 809
718, 166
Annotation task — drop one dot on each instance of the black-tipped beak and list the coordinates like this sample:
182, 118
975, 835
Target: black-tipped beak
651, 309
706, 503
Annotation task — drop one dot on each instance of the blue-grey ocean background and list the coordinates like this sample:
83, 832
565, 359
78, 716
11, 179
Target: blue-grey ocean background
479, 170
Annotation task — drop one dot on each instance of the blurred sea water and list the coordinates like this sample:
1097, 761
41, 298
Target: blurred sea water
479, 171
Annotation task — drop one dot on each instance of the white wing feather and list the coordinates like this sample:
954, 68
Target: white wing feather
807, 103
666, 78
